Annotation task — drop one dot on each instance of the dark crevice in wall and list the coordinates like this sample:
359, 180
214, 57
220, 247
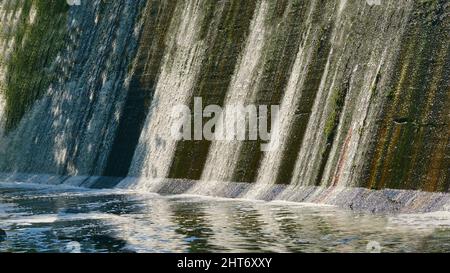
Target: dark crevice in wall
282, 52
305, 105
214, 80
157, 19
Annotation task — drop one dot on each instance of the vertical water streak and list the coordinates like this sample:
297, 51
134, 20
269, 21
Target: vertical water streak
341, 118
225, 47
156, 21
182, 64
224, 153
284, 32
346, 157
274, 162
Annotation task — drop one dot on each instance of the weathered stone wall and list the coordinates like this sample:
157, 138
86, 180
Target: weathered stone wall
363, 89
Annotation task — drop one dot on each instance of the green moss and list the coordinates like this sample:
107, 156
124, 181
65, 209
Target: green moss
337, 101
331, 120
37, 44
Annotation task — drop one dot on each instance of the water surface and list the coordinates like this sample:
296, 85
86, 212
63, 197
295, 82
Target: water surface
39, 218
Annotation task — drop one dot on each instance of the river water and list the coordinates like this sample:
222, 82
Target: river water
43, 218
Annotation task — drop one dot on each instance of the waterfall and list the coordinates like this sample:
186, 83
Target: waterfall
274, 159
362, 90
333, 151
225, 153
185, 53
70, 129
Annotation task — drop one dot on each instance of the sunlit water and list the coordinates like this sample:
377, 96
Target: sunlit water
40, 218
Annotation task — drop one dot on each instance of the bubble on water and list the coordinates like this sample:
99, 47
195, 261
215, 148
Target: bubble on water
73, 247
373, 247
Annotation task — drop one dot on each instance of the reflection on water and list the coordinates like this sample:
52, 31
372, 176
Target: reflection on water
52, 219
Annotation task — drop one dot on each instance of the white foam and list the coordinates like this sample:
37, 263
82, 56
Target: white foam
420, 221
53, 218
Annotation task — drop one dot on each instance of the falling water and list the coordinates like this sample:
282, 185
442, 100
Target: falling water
274, 159
70, 129
363, 91
224, 153
185, 53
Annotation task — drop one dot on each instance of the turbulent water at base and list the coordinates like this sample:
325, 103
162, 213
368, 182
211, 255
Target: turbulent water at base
363, 90
63, 219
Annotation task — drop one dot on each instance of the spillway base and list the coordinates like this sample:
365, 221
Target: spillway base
385, 201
